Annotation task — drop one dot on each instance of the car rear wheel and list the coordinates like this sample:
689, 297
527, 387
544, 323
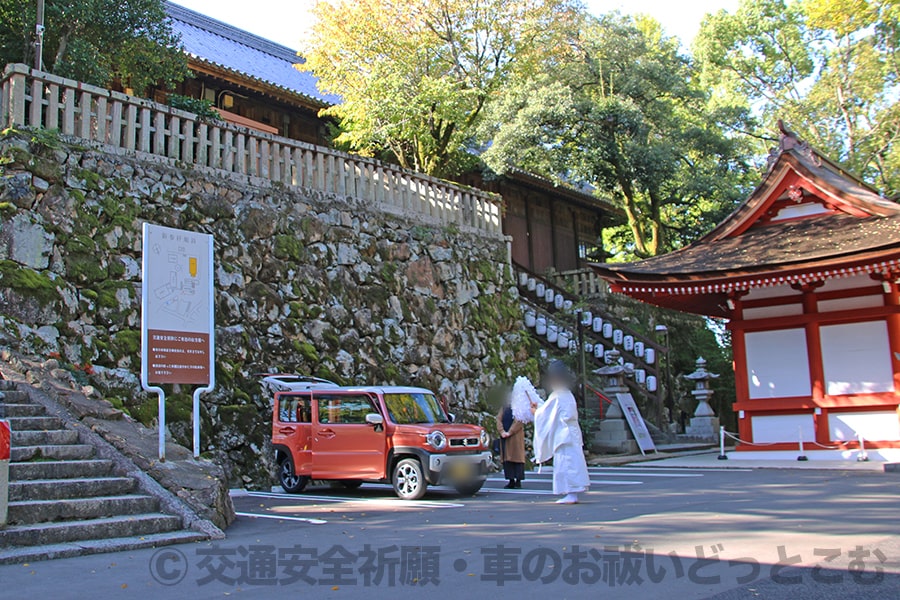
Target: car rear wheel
290, 481
469, 489
409, 479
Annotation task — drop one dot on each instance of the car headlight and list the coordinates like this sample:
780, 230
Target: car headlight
437, 439
485, 438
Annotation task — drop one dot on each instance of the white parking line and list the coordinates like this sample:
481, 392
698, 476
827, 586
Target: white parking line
597, 481
360, 499
281, 518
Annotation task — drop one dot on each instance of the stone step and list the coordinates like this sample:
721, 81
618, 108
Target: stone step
20, 555
57, 437
35, 423
42, 511
8, 410
15, 397
6, 385
53, 452
59, 469
88, 529
57, 489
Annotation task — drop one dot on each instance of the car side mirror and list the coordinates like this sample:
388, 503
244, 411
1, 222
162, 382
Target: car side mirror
376, 420
451, 417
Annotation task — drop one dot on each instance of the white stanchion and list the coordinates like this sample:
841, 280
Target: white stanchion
863, 456
5, 451
802, 456
722, 455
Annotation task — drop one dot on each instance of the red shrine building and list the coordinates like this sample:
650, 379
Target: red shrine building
807, 271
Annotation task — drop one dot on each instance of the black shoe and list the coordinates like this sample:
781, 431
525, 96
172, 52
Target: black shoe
509, 485
518, 485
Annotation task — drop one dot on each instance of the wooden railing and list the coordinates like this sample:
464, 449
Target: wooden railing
31, 98
584, 283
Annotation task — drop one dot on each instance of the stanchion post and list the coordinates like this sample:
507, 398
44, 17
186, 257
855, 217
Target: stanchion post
722, 455
802, 456
863, 456
5, 451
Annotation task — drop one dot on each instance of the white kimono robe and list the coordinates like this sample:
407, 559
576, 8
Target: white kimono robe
558, 436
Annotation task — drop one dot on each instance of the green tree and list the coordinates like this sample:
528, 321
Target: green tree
415, 78
97, 41
830, 68
627, 118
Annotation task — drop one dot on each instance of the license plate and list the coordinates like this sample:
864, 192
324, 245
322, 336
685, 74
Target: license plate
460, 470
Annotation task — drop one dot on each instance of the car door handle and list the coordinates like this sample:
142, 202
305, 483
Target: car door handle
326, 433
286, 430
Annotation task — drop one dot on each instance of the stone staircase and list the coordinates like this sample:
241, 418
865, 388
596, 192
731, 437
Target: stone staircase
64, 501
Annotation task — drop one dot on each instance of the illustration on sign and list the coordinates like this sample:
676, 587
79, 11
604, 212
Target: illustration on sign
178, 300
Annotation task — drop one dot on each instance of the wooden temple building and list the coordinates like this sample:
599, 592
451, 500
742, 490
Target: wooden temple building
807, 270
254, 82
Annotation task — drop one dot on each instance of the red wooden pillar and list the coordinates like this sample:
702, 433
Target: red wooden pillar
892, 298
739, 358
814, 353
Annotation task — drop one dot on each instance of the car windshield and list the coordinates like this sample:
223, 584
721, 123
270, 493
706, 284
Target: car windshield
407, 409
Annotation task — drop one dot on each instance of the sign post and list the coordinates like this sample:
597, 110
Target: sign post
5, 451
177, 318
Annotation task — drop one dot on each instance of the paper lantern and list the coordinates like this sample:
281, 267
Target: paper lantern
548, 295
573, 346
563, 340
588, 347
628, 343
651, 383
649, 356
539, 290
540, 325
607, 330
552, 333
531, 284
597, 325
640, 375
558, 302
567, 306
639, 349
599, 350
530, 319
617, 337
586, 318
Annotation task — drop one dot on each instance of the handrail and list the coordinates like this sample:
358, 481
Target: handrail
619, 324
31, 98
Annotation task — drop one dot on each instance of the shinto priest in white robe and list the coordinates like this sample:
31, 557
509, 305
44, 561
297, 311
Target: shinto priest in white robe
558, 436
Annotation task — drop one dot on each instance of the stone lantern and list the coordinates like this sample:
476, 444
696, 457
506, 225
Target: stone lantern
614, 434
704, 424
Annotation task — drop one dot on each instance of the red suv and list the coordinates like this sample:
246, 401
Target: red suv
350, 435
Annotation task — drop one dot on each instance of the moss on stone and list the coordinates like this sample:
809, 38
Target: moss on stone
28, 282
126, 343
307, 351
288, 247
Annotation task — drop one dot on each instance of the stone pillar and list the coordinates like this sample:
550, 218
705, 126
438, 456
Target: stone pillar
704, 424
614, 435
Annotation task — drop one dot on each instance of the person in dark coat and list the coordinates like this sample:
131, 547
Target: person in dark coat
512, 446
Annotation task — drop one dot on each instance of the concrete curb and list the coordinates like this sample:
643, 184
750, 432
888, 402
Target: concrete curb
169, 502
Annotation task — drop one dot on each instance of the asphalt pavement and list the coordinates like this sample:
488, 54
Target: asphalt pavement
643, 531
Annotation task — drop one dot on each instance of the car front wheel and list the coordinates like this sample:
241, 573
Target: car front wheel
409, 479
290, 481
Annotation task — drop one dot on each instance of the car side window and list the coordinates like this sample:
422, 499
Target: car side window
294, 409
344, 409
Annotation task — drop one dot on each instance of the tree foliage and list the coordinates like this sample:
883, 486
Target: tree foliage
96, 41
830, 68
628, 119
415, 78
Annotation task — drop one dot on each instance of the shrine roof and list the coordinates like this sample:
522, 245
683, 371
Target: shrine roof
854, 224
245, 55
